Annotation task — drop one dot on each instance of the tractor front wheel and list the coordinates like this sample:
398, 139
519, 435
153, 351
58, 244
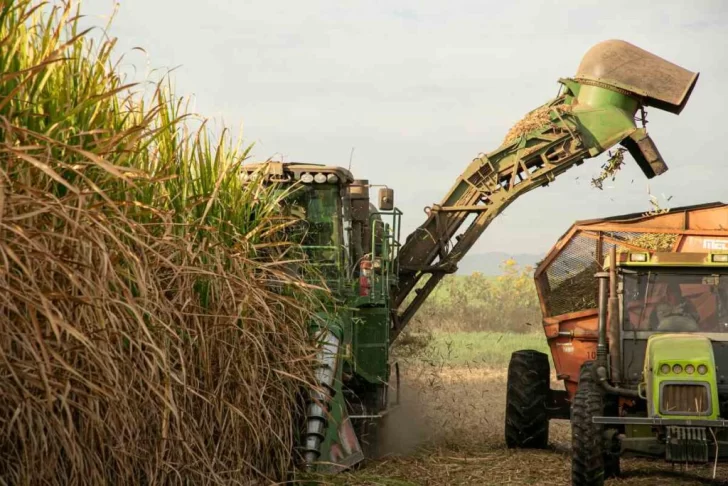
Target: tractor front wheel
527, 421
592, 458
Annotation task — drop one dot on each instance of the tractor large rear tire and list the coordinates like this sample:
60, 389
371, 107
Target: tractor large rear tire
527, 421
592, 458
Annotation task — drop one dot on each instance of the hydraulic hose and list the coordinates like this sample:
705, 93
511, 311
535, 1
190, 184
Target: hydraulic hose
604, 382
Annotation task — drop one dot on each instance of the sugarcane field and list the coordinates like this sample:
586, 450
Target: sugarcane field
271, 243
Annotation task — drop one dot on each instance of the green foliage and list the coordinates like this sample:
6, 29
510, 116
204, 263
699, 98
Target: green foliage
485, 348
466, 348
476, 302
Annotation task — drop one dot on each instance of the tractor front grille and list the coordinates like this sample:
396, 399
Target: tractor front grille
685, 399
686, 444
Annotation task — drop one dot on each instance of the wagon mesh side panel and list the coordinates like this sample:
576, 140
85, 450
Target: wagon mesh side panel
571, 277
571, 283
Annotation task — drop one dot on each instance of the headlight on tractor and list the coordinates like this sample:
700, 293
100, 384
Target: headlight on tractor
689, 369
638, 257
677, 369
665, 369
702, 369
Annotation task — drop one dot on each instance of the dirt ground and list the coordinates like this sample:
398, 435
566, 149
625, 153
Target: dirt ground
448, 430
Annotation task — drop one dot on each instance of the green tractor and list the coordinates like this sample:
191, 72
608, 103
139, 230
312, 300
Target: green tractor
354, 246
658, 386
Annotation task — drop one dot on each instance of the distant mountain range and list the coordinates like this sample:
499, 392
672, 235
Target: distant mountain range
489, 263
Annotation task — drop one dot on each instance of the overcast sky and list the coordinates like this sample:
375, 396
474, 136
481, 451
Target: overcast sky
419, 88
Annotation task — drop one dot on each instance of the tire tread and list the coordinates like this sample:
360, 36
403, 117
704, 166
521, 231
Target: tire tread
527, 422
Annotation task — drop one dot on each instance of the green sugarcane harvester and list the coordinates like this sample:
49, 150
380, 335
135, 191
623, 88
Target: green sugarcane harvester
375, 278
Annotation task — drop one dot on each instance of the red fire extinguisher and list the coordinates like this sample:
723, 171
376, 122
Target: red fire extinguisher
365, 277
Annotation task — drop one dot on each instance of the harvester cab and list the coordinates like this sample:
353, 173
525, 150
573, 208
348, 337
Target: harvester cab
340, 231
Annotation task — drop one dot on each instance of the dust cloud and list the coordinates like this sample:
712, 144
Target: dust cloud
407, 425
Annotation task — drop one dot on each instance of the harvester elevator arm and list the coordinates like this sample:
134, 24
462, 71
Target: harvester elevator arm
595, 111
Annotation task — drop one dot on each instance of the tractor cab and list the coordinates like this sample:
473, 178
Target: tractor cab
674, 292
670, 301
